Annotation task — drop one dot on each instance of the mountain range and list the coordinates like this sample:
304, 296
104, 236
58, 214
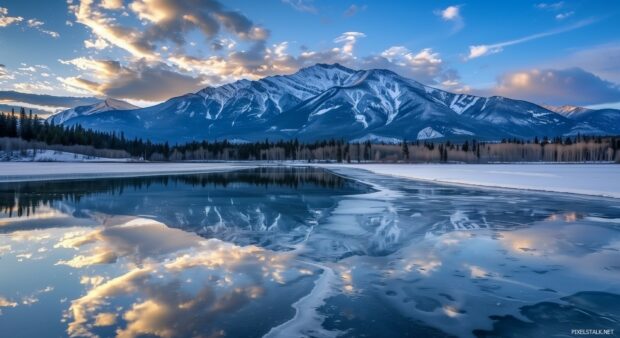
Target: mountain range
332, 101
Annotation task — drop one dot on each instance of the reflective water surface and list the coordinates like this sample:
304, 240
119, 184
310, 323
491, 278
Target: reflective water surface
293, 252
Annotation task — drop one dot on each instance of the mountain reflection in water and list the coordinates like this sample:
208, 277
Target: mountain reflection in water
287, 252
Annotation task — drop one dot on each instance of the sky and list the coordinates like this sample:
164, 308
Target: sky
146, 51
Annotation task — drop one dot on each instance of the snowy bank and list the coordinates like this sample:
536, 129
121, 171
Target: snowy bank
585, 179
47, 155
38, 171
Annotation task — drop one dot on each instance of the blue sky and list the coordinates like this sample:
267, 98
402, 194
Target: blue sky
558, 52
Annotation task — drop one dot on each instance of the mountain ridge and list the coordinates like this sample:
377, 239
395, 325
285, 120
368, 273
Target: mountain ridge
333, 101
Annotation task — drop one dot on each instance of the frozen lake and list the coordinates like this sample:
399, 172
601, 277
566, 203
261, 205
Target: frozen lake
291, 252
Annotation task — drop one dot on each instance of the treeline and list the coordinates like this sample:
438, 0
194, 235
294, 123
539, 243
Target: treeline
569, 149
19, 132
37, 132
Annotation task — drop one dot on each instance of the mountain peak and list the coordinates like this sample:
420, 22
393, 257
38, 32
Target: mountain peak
566, 110
108, 104
116, 104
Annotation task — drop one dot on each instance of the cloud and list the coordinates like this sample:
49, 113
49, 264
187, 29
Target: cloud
302, 5
159, 65
550, 5
349, 39
602, 60
97, 43
425, 66
573, 86
562, 16
33, 86
34, 23
112, 4
260, 60
4, 74
165, 21
46, 100
6, 20
452, 14
354, 9
38, 25
476, 51
139, 80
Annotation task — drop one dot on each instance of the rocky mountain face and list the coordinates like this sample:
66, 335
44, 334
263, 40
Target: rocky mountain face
332, 101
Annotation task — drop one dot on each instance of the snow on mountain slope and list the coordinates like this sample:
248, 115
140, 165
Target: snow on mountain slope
566, 110
429, 133
590, 121
103, 106
332, 101
377, 102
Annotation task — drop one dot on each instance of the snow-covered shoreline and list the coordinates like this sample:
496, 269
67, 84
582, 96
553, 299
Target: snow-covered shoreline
601, 180
584, 179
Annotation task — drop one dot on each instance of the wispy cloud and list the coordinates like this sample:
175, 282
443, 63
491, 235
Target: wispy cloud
38, 25
302, 5
562, 16
554, 6
354, 9
476, 51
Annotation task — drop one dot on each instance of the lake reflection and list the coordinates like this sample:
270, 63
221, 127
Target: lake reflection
287, 252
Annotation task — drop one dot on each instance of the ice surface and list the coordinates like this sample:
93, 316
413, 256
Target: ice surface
586, 179
405, 258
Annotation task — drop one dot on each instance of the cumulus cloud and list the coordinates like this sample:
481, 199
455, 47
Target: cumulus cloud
97, 43
260, 60
139, 80
573, 86
476, 51
159, 65
452, 14
112, 4
6, 20
165, 21
424, 65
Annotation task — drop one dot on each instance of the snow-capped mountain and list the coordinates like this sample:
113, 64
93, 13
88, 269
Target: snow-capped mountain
590, 121
332, 101
108, 104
